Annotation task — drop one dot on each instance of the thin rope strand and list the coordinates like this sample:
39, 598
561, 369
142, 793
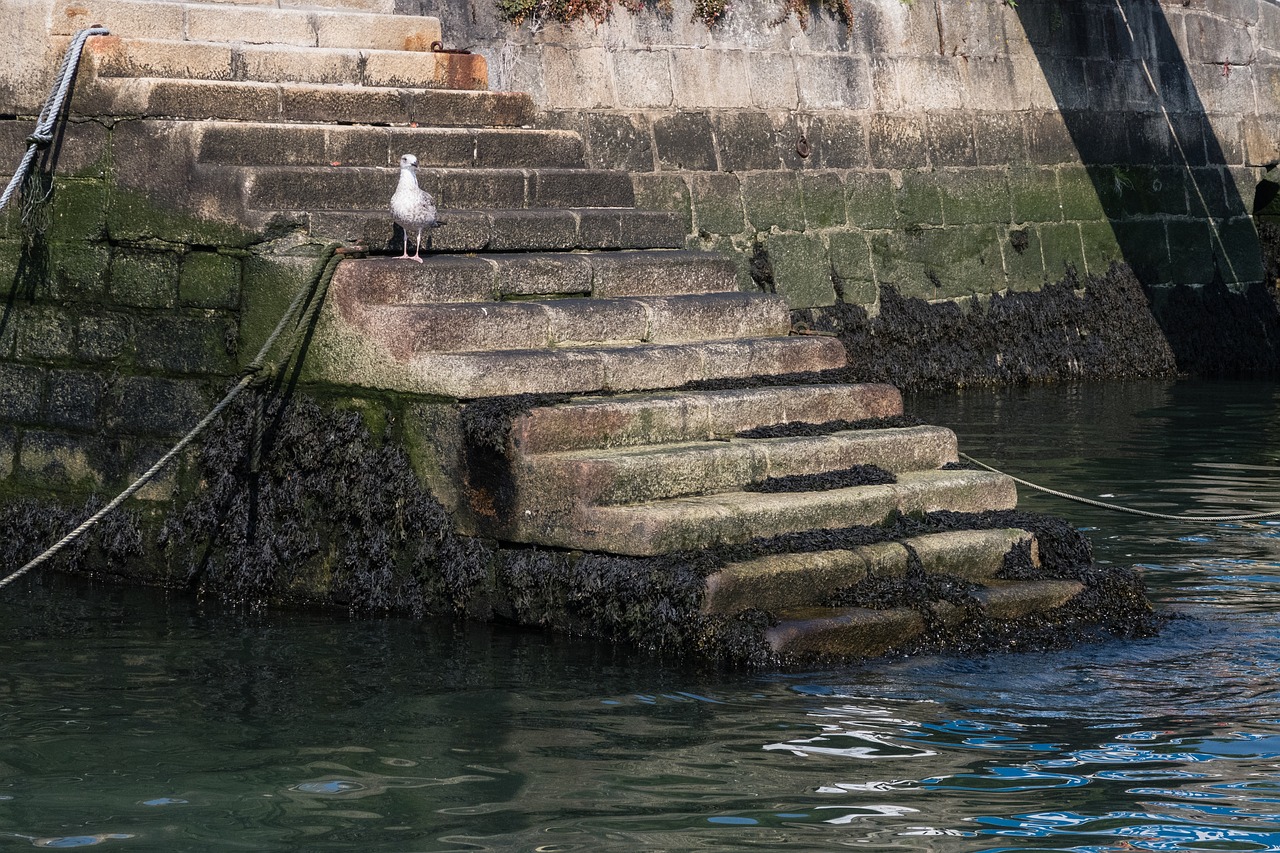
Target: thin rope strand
1185, 519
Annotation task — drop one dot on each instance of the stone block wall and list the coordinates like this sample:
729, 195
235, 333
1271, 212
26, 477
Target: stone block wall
121, 326
946, 147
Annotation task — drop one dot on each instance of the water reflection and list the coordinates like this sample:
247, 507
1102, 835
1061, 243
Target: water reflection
133, 720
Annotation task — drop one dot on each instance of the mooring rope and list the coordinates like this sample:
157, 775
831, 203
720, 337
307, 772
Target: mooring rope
1185, 519
311, 295
42, 136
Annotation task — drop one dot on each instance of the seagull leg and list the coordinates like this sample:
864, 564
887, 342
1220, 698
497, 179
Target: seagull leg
405, 253
417, 248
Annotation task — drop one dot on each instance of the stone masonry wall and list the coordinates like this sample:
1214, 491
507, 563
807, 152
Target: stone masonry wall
946, 147
121, 323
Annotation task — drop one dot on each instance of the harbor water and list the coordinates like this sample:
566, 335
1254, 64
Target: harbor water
136, 720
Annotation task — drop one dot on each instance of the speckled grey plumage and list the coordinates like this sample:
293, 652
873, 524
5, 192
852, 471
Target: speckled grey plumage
412, 208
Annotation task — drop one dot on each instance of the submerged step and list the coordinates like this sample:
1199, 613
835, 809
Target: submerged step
151, 97
848, 632
693, 523
643, 474
852, 632
116, 56
780, 582
679, 416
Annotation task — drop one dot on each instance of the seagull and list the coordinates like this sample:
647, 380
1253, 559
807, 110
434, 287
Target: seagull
411, 207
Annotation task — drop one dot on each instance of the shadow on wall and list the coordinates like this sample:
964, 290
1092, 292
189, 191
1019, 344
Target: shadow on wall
1137, 110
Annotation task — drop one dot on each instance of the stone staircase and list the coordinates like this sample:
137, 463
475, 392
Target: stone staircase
545, 280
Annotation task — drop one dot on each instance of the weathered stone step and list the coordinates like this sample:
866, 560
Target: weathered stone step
575, 322
249, 24
680, 416
861, 632
363, 187
780, 582
507, 230
485, 278
115, 56
633, 367
150, 97
639, 475
734, 517
847, 632
242, 144
378, 6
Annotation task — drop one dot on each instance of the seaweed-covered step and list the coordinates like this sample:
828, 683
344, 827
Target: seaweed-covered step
849, 632
488, 326
116, 56
254, 144
483, 278
512, 230
364, 187
778, 582
249, 24
694, 523
682, 416
635, 475
151, 97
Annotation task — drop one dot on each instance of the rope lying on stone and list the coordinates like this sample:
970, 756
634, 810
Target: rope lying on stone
311, 295
1185, 519
42, 136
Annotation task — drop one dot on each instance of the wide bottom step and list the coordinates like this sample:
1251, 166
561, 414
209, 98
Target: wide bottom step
860, 632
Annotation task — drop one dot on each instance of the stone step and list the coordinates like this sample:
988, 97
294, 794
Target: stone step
489, 277
625, 367
779, 582
844, 632
376, 6
641, 475
249, 24
695, 523
243, 144
150, 97
365, 187
850, 632
407, 330
504, 230
115, 56
681, 416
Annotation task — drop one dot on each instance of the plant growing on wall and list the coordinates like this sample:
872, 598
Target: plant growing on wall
707, 11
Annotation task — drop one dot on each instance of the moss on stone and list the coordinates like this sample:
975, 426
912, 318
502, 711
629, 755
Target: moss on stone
144, 279
871, 199
131, 216
773, 200
974, 196
1033, 195
801, 270
823, 194
79, 210
209, 280
1078, 195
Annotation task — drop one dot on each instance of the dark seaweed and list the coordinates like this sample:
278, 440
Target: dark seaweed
842, 478
1102, 327
801, 428
326, 495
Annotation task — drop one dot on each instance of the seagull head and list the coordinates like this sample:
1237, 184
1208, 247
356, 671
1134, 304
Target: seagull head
408, 161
